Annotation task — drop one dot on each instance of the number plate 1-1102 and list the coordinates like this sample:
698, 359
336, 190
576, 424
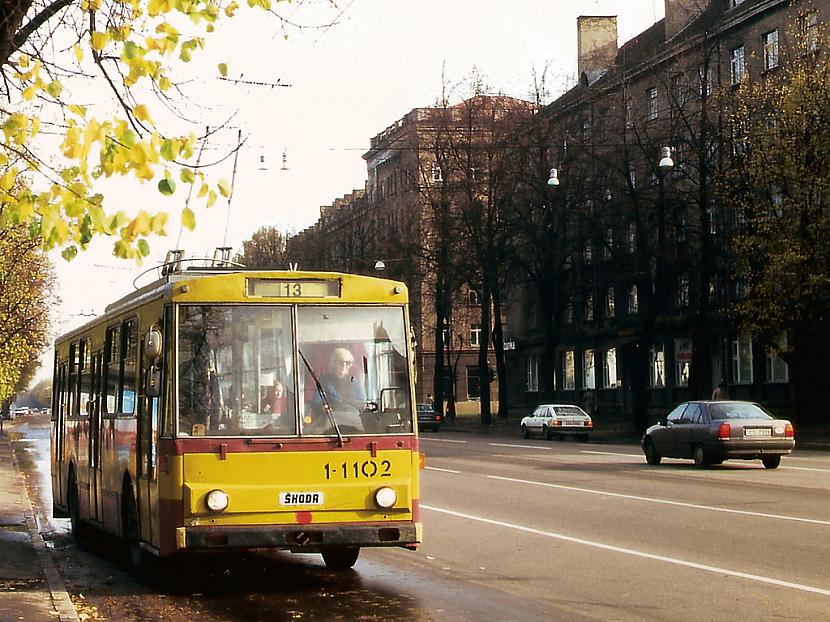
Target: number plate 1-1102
358, 469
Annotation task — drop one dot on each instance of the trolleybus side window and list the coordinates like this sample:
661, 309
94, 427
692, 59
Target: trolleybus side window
111, 371
71, 401
168, 422
129, 363
84, 377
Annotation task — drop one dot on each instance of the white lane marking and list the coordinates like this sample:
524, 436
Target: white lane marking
633, 552
519, 446
694, 506
442, 470
805, 469
610, 453
440, 440
639, 456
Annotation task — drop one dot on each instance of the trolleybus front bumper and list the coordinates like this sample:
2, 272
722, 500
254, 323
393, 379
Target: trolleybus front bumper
311, 538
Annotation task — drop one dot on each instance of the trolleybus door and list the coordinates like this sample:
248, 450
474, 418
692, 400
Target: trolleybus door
95, 437
147, 435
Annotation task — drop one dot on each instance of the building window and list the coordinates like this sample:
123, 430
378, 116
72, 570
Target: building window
809, 30
657, 367
609, 302
473, 384
777, 369
569, 262
682, 361
569, 311
679, 158
609, 368
589, 376
651, 96
532, 316
532, 373
589, 306
633, 301
472, 298
585, 129
608, 247
770, 45
568, 371
629, 114
475, 334
737, 67
588, 253
742, 359
437, 173
631, 238
632, 174
682, 299
706, 74
734, 3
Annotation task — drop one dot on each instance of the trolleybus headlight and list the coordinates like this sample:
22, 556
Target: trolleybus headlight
217, 500
385, 497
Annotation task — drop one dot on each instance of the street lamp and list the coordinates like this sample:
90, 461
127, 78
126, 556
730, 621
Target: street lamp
553, 180
666, 162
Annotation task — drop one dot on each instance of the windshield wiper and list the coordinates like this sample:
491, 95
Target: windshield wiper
323, 397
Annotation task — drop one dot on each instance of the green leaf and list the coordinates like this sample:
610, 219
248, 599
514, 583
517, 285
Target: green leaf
167, 186
143, 247
69, 253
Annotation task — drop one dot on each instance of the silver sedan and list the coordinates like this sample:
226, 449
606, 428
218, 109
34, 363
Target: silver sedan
713, 431
557, 420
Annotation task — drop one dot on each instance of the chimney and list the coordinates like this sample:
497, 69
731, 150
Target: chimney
596, 42
680, 12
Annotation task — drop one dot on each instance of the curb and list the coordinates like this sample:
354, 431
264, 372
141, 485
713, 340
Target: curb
61, 602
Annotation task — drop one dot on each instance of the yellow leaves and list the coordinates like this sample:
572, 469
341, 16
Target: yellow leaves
188, 219
79, 53
55, 89
99, 40
7, 179
158, 7
224, 187
223, 70
142, 114
231, 8
29, 92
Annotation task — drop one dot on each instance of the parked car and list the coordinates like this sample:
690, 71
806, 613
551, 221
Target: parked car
557, 420
429, 418
713, 431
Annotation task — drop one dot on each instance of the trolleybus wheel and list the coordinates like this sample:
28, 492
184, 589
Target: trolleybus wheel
137, 561
341, 558
78, 528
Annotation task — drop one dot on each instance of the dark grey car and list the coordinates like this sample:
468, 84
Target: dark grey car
713, 431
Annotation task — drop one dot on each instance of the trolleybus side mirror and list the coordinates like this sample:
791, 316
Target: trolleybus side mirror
152, 343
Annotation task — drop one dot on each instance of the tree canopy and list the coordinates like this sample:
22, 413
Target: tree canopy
25, 285
265, 249
55, 147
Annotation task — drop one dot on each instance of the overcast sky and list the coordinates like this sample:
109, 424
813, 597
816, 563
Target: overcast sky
347, 82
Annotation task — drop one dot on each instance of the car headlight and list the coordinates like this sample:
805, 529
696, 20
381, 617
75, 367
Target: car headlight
217, 500
385, 497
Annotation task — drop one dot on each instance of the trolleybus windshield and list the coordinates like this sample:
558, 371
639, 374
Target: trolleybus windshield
239, 373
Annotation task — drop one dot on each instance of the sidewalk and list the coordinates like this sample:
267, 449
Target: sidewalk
31, 588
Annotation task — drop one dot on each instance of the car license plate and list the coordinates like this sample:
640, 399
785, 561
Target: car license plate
757, 432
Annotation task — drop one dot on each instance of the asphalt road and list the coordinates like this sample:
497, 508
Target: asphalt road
519, 530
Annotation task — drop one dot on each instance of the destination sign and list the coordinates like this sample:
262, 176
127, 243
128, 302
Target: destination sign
295, 288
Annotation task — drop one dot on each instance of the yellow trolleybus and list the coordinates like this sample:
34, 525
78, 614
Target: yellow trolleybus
220, 409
